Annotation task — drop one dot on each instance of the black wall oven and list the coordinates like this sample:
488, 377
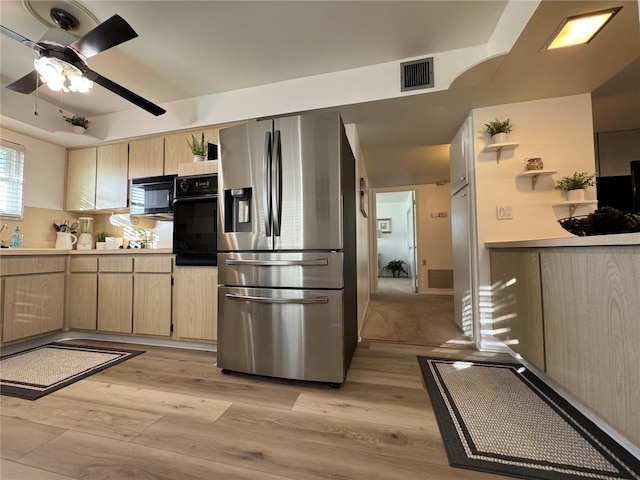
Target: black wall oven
195, 220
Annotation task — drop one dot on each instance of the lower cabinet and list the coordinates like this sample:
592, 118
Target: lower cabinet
33, 305
115, 302
152, 295
82, 303
195, 302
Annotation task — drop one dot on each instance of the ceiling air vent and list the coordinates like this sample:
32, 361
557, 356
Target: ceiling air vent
417, 74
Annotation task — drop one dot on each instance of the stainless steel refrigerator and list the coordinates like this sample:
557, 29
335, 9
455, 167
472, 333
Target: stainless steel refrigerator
287, 249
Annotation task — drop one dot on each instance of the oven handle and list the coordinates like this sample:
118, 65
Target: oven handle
286, 301
200, 198
320, 262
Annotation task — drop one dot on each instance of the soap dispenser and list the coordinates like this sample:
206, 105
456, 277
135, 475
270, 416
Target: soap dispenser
17, 238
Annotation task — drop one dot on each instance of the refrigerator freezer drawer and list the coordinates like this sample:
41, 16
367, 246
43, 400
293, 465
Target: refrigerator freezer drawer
281, 270
296, 334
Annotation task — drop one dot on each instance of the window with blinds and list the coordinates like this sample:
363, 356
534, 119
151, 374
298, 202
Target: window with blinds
11, 179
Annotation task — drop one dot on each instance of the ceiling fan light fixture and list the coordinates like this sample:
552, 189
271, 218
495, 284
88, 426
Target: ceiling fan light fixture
60, 75
579, 29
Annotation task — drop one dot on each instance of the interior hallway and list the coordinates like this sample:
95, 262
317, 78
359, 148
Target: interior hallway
397, 314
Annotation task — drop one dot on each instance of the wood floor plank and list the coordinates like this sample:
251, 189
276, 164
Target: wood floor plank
279, 454
19, 436
396, 442
17, 471
383, 378
87, 456
81, 416
145, 400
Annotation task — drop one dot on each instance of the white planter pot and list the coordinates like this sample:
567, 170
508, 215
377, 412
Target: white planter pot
78, 129
198, 158
575, 195
101, 245
499, 138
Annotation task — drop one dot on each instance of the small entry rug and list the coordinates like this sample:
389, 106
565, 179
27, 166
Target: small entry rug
500, 418
39, 371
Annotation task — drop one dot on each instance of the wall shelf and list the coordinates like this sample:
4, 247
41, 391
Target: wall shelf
574, 204
535, 174
498, 148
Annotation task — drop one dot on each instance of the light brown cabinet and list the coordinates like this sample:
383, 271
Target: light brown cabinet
112, 186
81, 180
195, 302
517, 303
115, 294
146, 157
97, 178
82, 301
152, 295
32, 296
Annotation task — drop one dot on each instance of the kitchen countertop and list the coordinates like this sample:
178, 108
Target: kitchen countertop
13, 252
592, 241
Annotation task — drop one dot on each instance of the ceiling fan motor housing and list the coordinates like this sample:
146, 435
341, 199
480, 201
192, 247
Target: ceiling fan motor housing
64, 19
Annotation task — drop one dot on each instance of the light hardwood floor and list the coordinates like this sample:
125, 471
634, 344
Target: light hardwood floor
170, 414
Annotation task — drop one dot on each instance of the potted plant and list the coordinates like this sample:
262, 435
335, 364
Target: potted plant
498, 130
198, 148
79, 123
575, 185
101, 240
395, 267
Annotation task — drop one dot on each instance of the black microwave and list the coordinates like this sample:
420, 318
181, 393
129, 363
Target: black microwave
152, 197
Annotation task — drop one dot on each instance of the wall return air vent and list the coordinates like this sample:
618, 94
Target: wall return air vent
417, 74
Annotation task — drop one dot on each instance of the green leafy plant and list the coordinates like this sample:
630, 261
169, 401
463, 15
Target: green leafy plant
102, 236
497, 126
197, 147
78, 121
395, 267
576, 181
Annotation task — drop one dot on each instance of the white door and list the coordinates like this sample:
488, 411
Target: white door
412, 249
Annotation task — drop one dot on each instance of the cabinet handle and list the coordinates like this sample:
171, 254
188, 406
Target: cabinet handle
295, 301
321, 262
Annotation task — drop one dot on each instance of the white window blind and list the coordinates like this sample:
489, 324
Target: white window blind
11, 179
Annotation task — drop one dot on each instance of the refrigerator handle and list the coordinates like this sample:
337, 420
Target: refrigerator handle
320, 262
266, 190
277, 201
295, 301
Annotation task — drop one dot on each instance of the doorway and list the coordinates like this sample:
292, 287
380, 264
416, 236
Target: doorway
396, 241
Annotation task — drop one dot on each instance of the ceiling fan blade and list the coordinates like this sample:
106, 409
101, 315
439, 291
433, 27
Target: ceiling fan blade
26, 84
109, 33
124, 93
23, 40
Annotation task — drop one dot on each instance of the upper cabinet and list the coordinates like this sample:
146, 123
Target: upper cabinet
81, 180
176, 151
146, 157
112, 184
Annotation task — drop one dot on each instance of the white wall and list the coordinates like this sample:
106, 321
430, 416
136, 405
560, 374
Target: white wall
44, 171
560, 131
434, 233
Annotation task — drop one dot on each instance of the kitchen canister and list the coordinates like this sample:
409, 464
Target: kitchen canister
533, 164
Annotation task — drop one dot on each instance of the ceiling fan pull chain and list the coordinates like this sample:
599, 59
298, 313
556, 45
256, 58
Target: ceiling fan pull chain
37, 87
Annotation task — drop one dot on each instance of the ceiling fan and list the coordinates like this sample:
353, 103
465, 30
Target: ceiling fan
63, 58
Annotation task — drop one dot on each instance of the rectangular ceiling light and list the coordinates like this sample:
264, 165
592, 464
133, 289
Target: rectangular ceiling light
579, 29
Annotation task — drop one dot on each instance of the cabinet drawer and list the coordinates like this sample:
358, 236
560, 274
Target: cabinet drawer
41, 264
152, 264
115, 264
84, 264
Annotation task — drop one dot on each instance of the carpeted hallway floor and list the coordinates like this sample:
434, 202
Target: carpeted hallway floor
397, 314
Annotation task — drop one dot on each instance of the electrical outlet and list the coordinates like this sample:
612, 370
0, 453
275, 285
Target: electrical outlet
504, 213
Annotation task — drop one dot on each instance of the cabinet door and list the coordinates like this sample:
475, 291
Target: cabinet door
81, 180
111, 176
146, 157
195, 302
517, 303
83, 301
115, 302
177, 151
461, 155
32, 305
462, 277
152, 304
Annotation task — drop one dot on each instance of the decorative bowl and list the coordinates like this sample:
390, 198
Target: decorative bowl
601, 224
